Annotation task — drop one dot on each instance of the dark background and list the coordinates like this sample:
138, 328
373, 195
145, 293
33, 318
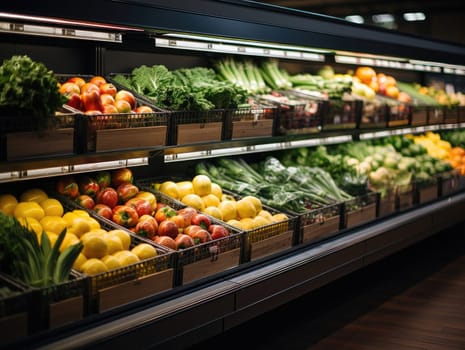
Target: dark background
445, 19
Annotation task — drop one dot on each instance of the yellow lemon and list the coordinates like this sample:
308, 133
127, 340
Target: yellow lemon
114, 244
245, 209
210, 200
255, 201
144, 251
29, 209
79, 226
260, 221
214, 211
52, 223
93, 223
126, 257
217, 190
194, 201
70, 239
80, 260
184, 188
8, 204
228, 210
235, 223
247, 224
69, 217
124, 236
52, 206
81, 213
266, 214
32, 224
170, 189
227, 197
93, 266
202, 185
33, 195
96, 232
111, 261
280, 217
94, 247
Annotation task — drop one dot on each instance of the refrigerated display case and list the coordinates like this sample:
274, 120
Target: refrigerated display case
106, 37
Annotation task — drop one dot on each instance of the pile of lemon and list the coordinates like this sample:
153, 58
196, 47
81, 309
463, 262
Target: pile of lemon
201, 193
103, 249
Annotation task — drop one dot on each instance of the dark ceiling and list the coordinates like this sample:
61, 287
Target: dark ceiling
444, 18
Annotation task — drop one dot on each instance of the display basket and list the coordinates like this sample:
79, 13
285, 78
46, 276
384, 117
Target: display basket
436, 115
374, 114
21, 137
387, 203
122, 131
405, 196
451, 114
451, 182
399, 114
360, 210
317, 224
461, 114
426, 191
341, 114
205, 259
16, 310
295, 115
255, 120
420, 115
187, 127
118, 287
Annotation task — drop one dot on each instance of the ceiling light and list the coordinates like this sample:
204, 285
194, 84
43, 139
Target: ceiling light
414, 16
383, 18
355, 19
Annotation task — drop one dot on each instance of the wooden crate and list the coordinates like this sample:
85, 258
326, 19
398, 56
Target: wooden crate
360, 210
193, 127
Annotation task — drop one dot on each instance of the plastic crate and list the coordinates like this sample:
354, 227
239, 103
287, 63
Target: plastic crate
15, 310
341, 114
374, 115
118, 287
295, 115
254, 121
206, 259
360, 210
318, 224
122, 131
188, 127
21, 137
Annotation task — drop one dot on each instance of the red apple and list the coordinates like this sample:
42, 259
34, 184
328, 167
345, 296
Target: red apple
121, 175
103, 210
201, 219
191, 230
108, 88
165, 241
218, 231
74, 101
142, 206
107, 196
168, 228
123, 106
127, 96
69, 88
109, 109
147, 226
85, 201
107, 99
184, 241
201, 236
90, 87
179, 220
126, 191
77, 80
148, 196
98, 80
143, 109
91, 100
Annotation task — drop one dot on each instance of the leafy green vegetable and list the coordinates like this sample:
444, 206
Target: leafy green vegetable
28, 88
36, 264
190, 89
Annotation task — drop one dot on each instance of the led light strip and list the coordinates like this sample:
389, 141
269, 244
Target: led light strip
70, 169
234, 48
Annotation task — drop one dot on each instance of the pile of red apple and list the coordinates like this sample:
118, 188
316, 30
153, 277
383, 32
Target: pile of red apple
97, 96
114, 196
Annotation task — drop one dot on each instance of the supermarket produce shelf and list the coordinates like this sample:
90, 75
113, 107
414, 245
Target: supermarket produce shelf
205, 310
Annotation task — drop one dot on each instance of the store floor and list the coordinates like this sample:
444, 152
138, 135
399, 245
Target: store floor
412, 300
